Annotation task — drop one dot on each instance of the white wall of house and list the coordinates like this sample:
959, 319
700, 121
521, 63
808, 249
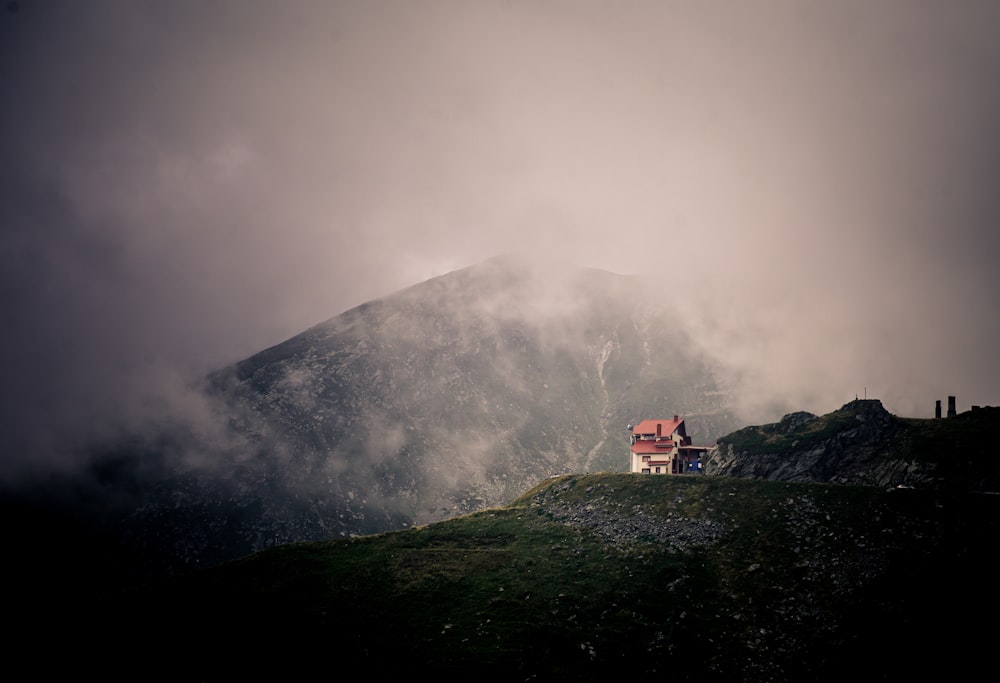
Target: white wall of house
665, 459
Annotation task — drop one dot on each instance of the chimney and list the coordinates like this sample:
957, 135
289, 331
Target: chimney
937, 409
658, 426
951, 406
675, 418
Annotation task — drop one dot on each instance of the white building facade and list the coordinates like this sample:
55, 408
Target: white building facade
663, 447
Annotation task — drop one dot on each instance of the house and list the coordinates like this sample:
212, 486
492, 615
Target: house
663, 447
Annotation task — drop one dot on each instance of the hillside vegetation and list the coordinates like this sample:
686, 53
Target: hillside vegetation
598, 577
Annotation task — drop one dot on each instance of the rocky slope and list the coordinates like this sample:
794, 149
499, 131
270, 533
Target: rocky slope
863, 444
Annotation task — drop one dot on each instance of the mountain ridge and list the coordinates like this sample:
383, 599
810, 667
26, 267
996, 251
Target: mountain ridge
451, 396
448, 396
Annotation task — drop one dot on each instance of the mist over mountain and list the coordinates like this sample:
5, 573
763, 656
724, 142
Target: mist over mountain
452, 395
474, 384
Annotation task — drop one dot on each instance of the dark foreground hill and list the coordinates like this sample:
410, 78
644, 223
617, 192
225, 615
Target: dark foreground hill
588, 578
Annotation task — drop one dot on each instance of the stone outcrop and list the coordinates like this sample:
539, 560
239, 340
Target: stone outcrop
863, 444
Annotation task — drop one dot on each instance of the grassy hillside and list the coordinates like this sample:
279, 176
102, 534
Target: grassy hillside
597, 577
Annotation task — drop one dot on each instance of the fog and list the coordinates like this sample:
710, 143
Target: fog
186, 183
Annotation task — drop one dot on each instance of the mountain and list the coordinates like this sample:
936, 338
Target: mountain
451, 396
462, 391
864, 444
601, 577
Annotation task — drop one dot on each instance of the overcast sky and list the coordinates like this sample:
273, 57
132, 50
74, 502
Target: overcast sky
183, 184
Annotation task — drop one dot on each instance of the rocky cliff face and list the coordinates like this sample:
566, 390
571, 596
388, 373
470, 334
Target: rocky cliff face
863, 444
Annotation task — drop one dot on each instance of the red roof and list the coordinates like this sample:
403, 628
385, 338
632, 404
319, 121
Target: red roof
667, 427
649, 447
